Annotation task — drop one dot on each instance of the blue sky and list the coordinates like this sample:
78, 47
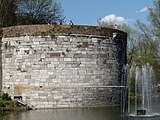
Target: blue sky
87, 12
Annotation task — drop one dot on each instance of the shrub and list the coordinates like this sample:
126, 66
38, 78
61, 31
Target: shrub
5, 96
2, 104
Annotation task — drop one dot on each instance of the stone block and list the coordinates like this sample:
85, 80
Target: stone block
94, 39
55, 54
67, 59
58, 97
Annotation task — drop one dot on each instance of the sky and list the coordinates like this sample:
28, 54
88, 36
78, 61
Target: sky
87, 12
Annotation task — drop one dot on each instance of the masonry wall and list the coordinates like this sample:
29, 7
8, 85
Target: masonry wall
63, 66
0, 61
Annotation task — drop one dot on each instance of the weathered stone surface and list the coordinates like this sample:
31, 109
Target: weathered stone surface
63, 66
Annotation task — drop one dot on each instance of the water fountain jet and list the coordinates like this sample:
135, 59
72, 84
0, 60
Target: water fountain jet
144, 89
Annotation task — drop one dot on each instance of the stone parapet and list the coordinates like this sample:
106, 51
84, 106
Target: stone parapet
43, 30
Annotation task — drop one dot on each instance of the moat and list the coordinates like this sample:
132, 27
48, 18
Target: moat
100, 113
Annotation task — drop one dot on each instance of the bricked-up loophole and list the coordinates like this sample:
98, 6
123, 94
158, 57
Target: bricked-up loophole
52, 55
8, 55
83, 45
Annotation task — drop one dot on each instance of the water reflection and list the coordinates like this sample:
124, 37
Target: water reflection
149, 118
4, 115
104, 113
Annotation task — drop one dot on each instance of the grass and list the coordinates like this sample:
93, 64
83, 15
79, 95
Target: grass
7, 104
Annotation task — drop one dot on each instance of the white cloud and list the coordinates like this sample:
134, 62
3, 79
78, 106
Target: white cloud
143, 9
113, 19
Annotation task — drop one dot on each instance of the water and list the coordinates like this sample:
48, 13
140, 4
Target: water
144, 118
101, 113
145, 94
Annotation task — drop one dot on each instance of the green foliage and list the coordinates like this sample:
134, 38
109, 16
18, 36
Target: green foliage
6, 104
5, 96
2, 104
143, 44
148, 45
9, 104
5, 100
154, 18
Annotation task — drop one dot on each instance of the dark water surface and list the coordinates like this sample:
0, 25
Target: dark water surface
101, 113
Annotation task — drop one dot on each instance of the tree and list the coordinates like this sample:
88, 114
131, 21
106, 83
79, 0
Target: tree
154, 18
39, 11
7, 12
150, 45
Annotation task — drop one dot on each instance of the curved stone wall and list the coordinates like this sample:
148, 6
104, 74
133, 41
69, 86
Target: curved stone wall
63, 66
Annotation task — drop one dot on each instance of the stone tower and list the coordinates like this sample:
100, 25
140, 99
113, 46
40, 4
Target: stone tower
63, 66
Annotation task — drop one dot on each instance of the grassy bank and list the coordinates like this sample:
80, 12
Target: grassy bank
7, 104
